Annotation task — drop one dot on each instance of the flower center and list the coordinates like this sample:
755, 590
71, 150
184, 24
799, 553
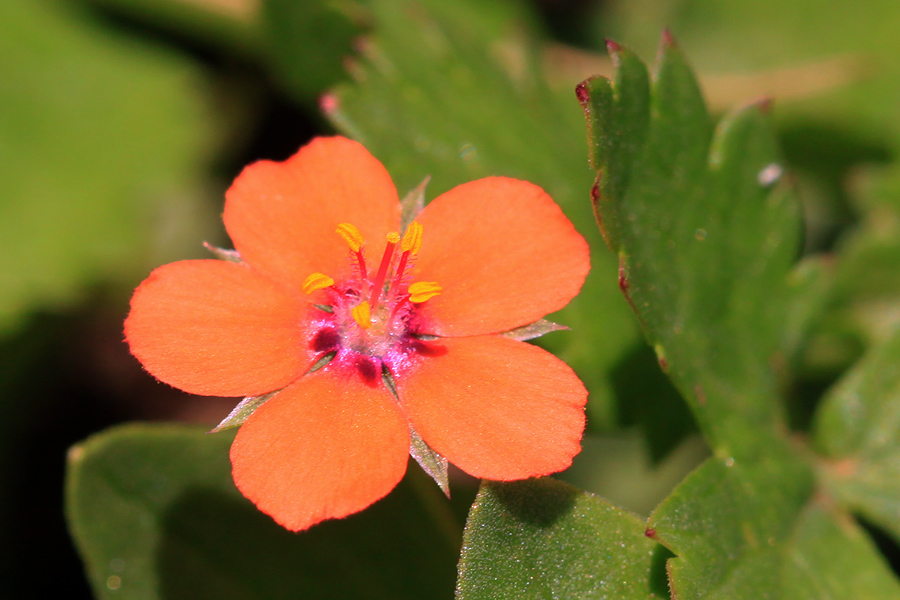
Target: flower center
371, 311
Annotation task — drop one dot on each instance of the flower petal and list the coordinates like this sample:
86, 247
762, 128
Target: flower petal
326, 447
495, 407
217, 328
282, 216
504, 254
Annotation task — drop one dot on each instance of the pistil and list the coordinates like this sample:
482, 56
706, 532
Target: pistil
378, 285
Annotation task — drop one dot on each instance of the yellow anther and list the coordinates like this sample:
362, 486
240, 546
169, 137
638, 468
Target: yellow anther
362, 314
393, 237
421, 291
351, 235
317, 281
412, 239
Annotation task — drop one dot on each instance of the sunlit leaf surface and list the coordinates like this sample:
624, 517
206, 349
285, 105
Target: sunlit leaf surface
545, 539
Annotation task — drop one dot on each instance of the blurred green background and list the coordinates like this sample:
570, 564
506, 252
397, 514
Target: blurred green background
122, 122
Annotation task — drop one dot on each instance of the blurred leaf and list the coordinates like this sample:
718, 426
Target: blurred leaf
541, 538
705, 237
155, 515
101, 144
622, 468
229, 25
858, 430
310, 41
747, 530
831, 557
457, 92
866, 294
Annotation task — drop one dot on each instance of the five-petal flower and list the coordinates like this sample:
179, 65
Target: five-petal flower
407, 320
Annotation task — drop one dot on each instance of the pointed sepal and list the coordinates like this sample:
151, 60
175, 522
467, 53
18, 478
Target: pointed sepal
242, 412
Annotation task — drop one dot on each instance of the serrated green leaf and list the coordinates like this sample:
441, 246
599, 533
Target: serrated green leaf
729, 523
155, 515
542, 538
753, 530
101, 140
455, 90
858, 429
705, 237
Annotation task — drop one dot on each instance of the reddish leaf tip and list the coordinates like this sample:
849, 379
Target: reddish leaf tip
668, 40
765, 104
328, 104
700, 394
650, 533
612, 47
581, 91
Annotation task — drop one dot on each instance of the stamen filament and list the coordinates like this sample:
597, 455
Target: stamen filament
361, 262
378, 283
398, 274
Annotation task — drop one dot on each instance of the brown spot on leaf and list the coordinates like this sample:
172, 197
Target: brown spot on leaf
623, 280
701, 396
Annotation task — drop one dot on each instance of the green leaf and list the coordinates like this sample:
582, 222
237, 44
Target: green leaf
705, 237
542, 538
707, 242
750, 530
831, 557
155, 514
834, 77
101, 143
858, 429
456, 91
729, 523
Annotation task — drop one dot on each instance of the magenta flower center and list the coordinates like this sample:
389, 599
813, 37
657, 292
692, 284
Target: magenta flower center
369, 320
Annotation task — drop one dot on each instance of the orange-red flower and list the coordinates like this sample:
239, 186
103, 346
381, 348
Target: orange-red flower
409, 319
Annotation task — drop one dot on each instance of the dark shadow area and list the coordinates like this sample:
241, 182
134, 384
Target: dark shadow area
659, 576
220, 546
539, 502
46, 409
647, 398
886, 544
574, 22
